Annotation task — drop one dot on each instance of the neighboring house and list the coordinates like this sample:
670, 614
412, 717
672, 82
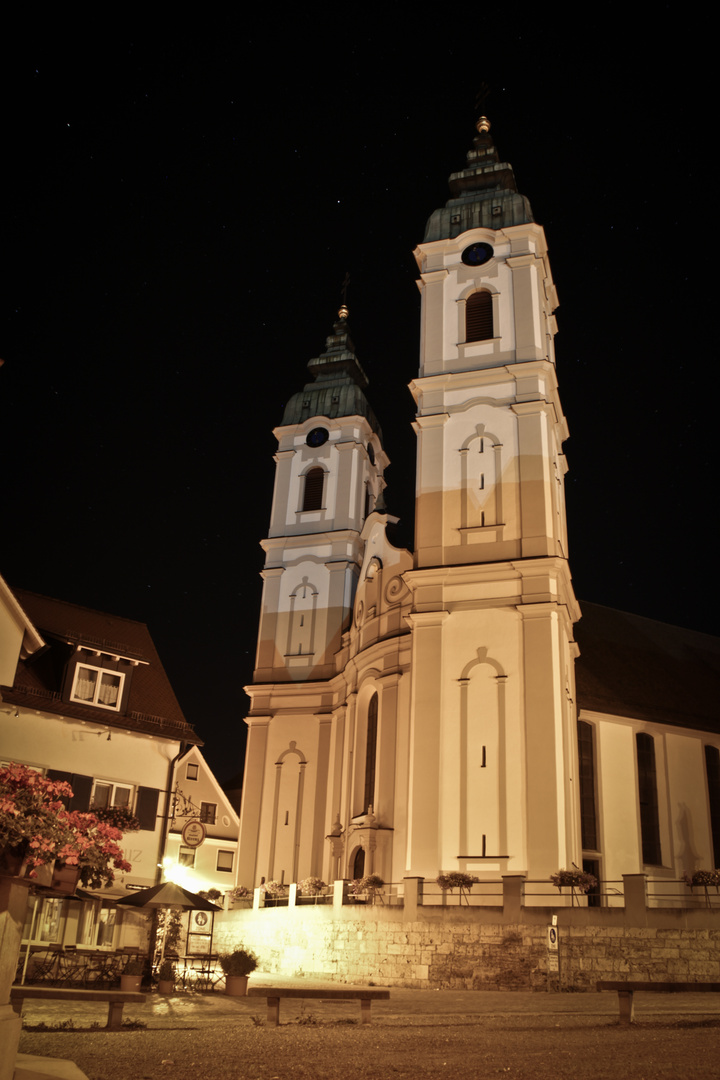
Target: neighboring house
85, 699
416, 712
197, 797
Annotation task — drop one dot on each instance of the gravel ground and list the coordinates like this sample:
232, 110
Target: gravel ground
325, 1042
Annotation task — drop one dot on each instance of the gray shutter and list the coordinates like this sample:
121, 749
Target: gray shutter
82, 791
58, 774
146, 809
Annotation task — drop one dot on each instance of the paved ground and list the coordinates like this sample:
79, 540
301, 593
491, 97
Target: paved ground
417, 1033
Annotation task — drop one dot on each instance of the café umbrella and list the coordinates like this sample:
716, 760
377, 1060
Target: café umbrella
167, 895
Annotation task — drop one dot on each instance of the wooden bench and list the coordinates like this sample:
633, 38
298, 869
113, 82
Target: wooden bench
274, 993
626, 990
116, 999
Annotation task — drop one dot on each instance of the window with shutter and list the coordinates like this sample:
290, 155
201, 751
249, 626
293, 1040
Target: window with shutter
479, 317
313, 495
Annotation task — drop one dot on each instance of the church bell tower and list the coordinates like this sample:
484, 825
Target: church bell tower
493, 605
328, 479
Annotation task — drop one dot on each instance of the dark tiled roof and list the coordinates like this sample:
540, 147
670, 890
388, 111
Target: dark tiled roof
152, 708
648, 670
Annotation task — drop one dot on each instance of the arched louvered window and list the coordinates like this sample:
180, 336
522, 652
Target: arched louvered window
371, 753
313, 494
479, 316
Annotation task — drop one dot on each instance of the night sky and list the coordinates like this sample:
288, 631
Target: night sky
180, 211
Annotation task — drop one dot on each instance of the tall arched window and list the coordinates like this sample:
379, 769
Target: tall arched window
586, 754
712, 766
479, 316
313, 494
647, 789
371, 752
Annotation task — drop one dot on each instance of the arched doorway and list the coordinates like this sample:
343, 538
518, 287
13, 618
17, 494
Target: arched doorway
358, 866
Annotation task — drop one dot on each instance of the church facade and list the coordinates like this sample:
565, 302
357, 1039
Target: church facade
414, 713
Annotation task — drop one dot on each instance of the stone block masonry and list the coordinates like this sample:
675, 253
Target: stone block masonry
472, 948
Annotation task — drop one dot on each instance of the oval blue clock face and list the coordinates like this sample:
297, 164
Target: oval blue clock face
317, 436
477, 254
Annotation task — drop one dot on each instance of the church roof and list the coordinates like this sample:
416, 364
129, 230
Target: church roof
484, 194
338, 382
152, 707
647, 670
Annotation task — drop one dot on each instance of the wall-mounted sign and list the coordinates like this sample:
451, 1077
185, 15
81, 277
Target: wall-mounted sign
193, 833
552, 947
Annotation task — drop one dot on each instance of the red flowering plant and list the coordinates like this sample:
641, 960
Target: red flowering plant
32, 824
94, 848
36, 827
118, 816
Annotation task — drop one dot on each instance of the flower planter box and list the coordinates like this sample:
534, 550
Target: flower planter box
65, 879
131, 983
165, 986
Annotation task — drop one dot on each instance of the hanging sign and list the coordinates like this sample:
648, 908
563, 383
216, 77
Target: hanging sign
193, 833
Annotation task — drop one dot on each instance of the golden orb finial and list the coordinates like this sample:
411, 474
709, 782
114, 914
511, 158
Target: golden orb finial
483, 125
343, 312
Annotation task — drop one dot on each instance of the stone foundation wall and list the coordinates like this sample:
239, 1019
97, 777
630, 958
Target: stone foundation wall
471, 948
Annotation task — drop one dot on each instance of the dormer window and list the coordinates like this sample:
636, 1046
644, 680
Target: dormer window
94, 686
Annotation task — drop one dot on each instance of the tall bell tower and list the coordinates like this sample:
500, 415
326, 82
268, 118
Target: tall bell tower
493, 743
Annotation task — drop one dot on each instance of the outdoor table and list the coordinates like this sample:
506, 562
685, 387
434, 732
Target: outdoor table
201, 971
100, 966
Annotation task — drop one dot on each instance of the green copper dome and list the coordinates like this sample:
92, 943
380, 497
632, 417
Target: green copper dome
484, 195
338, 383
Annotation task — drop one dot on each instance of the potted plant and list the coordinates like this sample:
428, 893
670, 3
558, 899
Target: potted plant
36, 830
704, 879
457, 880
32, 820
214, 895
309, 889
275, 892
131, 976
241, 896
238, 965
166, 977
366, 888
581, 880
118, 816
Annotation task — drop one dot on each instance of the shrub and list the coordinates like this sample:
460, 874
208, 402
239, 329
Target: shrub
239, 962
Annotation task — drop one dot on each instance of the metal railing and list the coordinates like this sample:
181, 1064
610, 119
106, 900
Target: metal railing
676, 893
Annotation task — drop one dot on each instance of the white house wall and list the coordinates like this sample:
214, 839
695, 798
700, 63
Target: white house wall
133, 759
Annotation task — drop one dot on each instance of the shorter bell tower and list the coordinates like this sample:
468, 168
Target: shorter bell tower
328, 479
